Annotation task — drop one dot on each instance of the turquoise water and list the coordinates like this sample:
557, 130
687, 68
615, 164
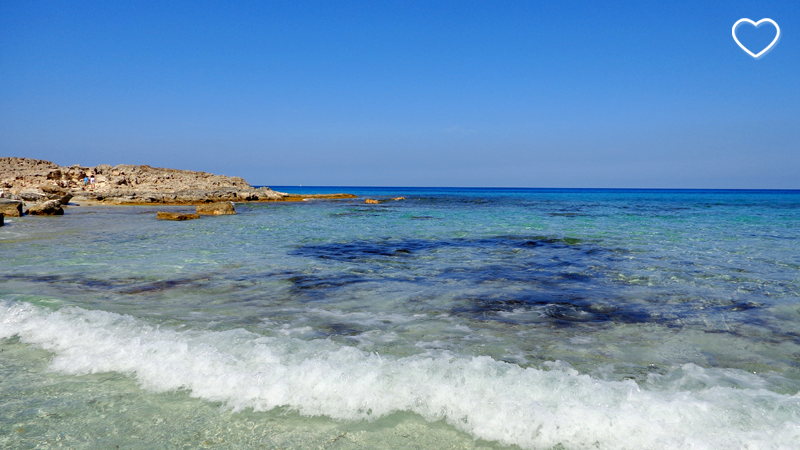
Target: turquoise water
457, 318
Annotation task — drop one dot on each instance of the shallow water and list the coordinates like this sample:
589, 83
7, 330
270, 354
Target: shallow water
458, 318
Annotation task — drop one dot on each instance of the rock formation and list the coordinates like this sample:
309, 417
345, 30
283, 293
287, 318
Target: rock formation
46, 208
11, 208
34, 180
300, 198
216, 209
166, 215
371, 201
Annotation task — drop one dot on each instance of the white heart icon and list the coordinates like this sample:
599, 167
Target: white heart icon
756, 24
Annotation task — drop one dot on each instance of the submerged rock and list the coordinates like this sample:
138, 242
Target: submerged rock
299, 198
216, 209
11, 208
48, 208
167, 215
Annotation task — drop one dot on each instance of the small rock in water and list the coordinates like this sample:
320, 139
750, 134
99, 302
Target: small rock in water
166, 215
399, 198
48, 208
11, 208
216, 209
371, 201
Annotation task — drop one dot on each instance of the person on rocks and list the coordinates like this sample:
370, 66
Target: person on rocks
85, 181
91, 181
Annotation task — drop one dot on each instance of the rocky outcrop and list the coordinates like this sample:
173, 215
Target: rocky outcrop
215, 209
167, 215
34, 180
11, 208
47, 208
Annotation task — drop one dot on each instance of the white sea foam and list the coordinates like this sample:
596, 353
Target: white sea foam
690, 408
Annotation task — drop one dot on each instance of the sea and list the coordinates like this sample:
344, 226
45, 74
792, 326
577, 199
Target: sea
456, 318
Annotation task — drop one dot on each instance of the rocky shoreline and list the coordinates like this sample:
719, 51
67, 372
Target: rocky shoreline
35, 181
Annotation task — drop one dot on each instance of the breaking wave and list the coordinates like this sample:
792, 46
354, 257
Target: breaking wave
690, 407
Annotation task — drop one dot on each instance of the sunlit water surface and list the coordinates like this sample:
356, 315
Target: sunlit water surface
457, 318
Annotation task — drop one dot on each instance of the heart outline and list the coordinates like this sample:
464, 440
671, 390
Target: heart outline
756, 24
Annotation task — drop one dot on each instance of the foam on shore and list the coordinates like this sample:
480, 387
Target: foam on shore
691, 407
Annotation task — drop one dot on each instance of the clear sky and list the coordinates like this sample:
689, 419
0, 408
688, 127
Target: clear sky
426, 93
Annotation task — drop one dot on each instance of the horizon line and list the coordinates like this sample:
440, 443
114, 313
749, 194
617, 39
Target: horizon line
526, 187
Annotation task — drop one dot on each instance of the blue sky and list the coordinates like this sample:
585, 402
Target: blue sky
469, 93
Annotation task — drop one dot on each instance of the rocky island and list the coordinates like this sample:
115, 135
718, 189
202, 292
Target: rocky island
37, 182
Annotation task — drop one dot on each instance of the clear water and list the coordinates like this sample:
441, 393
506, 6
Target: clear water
458, 318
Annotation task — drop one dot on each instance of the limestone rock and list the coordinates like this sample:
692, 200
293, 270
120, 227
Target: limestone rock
299, 198
31, 196
52, 189
399, 198
167, 215
216, 209
48, 208
11, 208
53, 192
130, 184
65, 199
371, 201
